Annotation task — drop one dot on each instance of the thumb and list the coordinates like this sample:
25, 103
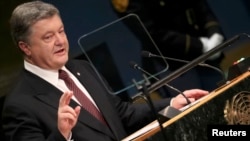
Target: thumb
191, 99
77, 111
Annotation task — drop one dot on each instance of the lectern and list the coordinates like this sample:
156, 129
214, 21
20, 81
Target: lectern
214, 109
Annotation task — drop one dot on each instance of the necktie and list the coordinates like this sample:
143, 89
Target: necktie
81, 97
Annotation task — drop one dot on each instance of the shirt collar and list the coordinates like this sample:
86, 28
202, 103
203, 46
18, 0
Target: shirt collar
49, 75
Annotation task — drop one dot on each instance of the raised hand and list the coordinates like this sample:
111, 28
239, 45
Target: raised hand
67, 116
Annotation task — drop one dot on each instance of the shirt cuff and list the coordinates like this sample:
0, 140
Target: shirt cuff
171, 102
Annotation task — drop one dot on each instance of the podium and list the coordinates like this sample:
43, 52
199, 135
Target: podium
191, 123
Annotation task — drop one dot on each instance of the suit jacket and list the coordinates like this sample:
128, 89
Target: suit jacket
30, 111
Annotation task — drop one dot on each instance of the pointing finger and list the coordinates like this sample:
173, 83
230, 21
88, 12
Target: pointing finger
65, 98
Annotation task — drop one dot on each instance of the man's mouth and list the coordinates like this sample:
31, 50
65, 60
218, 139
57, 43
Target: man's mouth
60, 51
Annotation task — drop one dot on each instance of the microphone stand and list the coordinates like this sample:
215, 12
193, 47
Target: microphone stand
190, 65
147, 98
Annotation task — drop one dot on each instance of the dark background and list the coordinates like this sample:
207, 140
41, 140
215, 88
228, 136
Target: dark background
83, 16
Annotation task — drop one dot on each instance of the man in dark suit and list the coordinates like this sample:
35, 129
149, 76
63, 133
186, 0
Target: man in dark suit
182, 29
43, 107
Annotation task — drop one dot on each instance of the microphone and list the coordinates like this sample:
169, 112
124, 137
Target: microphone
137, 67
150, 103
164, 114
149, 54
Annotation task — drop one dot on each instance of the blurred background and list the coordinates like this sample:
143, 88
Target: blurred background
83, 16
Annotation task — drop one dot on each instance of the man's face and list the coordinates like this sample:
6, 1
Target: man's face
48, 44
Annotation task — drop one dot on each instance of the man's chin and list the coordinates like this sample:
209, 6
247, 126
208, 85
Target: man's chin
62, 62
63, 59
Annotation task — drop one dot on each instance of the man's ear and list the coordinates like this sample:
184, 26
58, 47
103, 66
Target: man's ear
24, 47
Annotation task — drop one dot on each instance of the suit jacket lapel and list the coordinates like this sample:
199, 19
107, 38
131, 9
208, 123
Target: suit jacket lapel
49, 97
84, 78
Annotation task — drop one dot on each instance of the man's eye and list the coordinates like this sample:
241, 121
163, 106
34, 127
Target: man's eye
48, 38
61, 32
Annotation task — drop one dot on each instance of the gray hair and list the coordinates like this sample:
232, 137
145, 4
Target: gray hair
27, 14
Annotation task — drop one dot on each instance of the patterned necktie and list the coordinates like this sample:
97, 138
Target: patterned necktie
81, 97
